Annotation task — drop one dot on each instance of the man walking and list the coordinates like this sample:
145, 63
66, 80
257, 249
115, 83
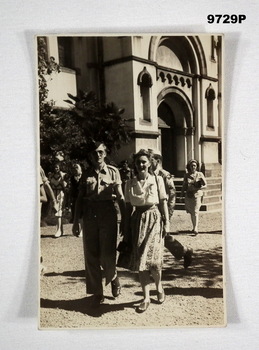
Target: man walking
177, 249
100, 185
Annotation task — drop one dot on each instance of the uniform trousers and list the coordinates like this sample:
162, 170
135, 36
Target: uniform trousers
100, 241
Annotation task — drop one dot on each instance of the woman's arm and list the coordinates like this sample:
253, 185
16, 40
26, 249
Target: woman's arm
49, 191
121, 202
165, 215
43, 196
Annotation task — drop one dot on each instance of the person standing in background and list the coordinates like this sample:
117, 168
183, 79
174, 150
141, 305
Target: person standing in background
176, 248
125, 173
58, 185
50, 195
193, 183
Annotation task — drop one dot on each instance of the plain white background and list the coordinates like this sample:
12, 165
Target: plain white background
20, 21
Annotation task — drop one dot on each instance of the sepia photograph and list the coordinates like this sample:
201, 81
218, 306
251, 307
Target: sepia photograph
131, 180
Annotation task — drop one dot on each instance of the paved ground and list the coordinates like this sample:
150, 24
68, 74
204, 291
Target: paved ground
194, 297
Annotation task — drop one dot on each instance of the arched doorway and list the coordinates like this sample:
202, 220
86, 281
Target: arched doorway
175, 122
166, 125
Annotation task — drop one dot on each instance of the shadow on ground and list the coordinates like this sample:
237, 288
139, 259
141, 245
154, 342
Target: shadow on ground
84, 306
206, 265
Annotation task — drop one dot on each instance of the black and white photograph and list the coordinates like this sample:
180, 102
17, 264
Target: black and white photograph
131, 180
129, 165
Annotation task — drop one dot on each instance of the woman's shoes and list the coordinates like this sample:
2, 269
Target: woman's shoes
143, 306
58, 234
161, 297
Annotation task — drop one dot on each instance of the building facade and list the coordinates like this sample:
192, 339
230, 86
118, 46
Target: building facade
170, 85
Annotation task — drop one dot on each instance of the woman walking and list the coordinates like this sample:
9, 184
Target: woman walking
58, 185
146, 225
193, 183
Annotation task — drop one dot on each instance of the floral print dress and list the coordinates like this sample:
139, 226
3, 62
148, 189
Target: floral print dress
146, 223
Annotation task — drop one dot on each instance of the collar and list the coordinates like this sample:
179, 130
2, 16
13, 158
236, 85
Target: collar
103, 170
149, 179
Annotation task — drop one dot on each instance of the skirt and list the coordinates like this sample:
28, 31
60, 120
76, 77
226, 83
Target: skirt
192, 205
60, 201
146, 240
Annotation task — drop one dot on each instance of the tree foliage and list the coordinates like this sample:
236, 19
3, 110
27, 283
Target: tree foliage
100, 122
72, 130
45, 68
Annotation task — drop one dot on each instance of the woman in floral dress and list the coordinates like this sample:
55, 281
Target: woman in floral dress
146, 225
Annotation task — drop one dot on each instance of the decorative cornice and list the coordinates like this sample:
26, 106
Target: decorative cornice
210, 138
145, 134
152, 63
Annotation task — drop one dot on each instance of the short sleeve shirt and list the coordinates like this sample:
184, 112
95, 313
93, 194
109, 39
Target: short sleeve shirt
148, 193
190, 180
99, 186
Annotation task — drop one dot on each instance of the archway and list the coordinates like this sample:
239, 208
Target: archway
175, 122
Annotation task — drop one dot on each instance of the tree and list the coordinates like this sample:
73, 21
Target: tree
100, 122
73, 130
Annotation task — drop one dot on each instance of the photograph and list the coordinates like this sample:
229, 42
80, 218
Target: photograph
131, 180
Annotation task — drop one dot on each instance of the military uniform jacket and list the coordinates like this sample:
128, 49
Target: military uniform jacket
169, 188
99, 186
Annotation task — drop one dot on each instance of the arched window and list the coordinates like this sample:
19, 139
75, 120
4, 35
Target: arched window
210, 96
145, 83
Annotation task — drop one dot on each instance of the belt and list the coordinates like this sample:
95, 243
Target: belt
143, 208
96, 201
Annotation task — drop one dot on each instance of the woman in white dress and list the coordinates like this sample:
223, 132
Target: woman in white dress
145, 225
58, 185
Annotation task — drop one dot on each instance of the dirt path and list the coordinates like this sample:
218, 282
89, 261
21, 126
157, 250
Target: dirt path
194, 297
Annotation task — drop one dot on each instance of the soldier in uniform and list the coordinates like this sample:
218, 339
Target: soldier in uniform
100, 185
179, 251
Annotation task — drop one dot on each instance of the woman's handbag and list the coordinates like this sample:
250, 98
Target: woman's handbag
124, 257
174, 247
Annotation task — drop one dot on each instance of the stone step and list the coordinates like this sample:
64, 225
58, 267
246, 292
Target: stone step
216, 187
206, 199
204, 207
211, 206
209, 178
213, 173
212, 192
211, 199
213, 169
214, 180
207, 192
215, 183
